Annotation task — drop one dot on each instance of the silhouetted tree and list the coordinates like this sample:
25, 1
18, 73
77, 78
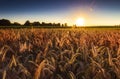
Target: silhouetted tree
27, 23
62, 25
43, 24
16, 24
36, 24
57, 25
5, 22
65, 25
49, 24
53, 24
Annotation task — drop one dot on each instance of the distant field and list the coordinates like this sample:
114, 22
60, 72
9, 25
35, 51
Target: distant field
60, 53
18, 27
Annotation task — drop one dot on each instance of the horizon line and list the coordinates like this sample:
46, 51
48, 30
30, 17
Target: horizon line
60, 23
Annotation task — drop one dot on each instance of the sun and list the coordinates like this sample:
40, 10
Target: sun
80, 22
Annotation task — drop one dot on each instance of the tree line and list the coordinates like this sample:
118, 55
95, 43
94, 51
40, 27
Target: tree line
5, 22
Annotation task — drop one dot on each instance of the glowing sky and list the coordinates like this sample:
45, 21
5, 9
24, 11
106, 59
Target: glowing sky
95, 12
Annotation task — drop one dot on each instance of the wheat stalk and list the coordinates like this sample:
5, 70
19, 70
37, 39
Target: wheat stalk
38, 71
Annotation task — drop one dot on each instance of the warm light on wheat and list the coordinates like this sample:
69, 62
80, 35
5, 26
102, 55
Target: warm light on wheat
60, 53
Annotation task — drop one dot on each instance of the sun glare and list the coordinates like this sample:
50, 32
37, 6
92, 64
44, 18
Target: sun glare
80, 22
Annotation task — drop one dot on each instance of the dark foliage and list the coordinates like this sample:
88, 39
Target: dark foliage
27, 23
16, 24
5, 22
36, 24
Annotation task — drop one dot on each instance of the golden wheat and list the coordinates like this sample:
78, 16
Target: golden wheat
59, 53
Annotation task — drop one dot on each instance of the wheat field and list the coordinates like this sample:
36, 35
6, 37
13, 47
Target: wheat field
59, 53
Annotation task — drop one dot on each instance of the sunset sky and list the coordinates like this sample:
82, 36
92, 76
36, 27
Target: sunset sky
94, 12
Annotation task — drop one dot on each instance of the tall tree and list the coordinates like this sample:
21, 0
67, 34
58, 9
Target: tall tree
27, 23
5, 22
